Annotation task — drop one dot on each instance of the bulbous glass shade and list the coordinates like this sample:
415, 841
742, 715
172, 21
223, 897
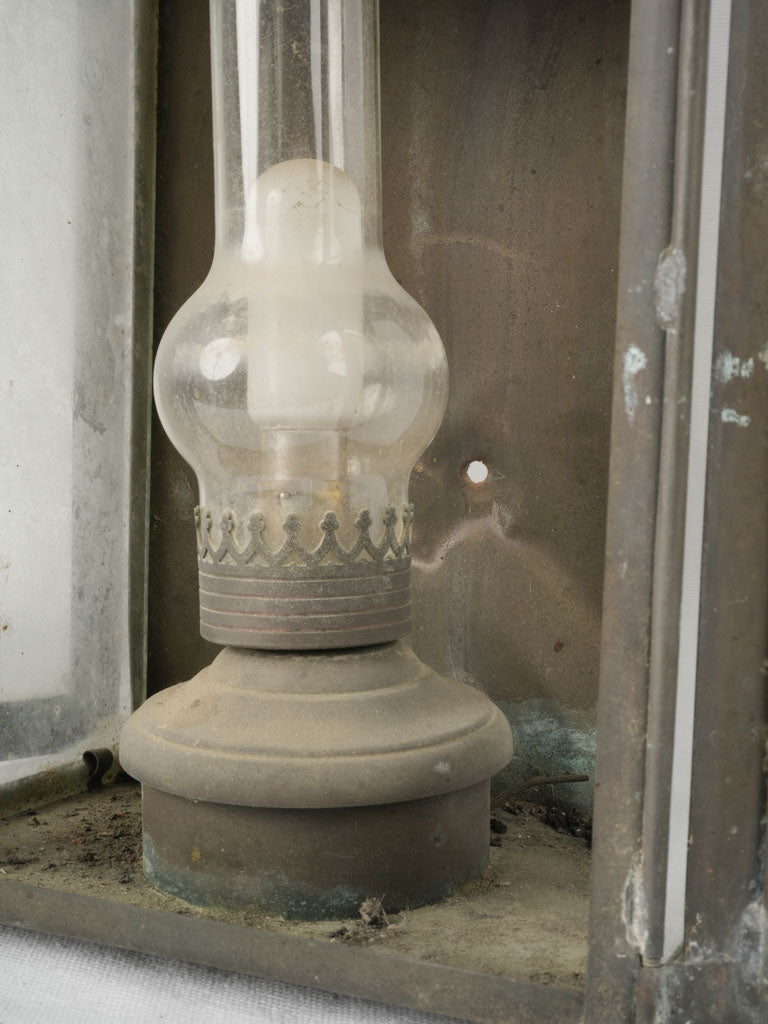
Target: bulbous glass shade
300, 381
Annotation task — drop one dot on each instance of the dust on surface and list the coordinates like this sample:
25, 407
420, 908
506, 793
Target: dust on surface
525, 917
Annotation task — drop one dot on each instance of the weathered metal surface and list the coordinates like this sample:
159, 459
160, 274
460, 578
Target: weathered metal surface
468, 995
721, 973
706, 992
616, 930
312, 593
317, 863
675, 298
502, 168
323, 729
305, 782
725, 911
97, 762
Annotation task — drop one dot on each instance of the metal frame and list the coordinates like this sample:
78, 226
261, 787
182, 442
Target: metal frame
143, 271
347, 970
647, 203
720, 973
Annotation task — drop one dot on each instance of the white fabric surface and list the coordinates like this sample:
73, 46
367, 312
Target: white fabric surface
47, 980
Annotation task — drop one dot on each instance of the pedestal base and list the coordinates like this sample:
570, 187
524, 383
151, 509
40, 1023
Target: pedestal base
315, 864
306, 783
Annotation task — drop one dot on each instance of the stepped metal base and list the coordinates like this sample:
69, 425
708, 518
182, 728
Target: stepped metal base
315, 864
305, 783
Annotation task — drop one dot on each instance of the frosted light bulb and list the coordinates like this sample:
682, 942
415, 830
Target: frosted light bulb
305, 337
300, 381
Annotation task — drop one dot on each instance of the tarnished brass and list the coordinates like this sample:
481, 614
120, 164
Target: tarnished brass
301, 597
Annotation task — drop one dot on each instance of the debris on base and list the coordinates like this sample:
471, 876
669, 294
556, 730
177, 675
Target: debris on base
372, 912
373, 924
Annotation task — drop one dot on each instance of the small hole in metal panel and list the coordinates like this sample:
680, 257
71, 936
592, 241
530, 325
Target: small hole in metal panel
477, 471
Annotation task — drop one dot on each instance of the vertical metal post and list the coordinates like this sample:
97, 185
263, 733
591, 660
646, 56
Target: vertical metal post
706, 175
616, 929
696, 604
725, 914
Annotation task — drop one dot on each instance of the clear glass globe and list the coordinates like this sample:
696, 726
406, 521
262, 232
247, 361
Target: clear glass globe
301, 378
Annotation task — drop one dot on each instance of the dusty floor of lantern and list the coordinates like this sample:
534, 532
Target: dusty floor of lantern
525, 917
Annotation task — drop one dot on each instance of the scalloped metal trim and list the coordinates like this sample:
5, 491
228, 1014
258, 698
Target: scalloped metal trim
328, 551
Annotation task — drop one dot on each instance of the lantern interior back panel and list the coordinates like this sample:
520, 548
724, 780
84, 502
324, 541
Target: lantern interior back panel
501, 146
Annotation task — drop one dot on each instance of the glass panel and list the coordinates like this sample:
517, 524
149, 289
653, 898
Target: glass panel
71, 382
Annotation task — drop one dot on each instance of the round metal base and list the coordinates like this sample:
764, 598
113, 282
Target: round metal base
315, 864
306, 783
